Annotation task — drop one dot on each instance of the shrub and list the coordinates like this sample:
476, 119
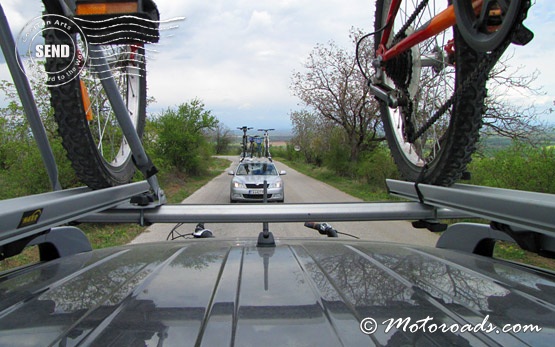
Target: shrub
375, 166
24, 172
181, 142
520, 166
337, 158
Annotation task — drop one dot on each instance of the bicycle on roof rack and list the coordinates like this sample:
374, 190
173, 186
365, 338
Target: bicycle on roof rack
252, 146
244, 141
258, 141
267, 142
97, 85
431, 64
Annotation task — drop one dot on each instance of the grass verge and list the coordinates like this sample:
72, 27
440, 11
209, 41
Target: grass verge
511, 251
350, 186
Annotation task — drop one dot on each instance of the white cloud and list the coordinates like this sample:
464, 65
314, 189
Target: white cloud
259, 20
538, 55
239, 56
19, 15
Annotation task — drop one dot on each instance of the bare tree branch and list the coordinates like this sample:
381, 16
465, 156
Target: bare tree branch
505, 117
333, 86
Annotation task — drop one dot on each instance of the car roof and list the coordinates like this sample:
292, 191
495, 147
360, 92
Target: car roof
256, 161
231, 292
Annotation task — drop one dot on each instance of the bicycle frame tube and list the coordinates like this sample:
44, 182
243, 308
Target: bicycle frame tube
393, 9
436, 25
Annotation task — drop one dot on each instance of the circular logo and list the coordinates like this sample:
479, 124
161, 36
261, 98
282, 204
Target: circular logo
368, 326
52, 50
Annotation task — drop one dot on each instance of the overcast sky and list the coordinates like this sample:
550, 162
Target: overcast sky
238, 56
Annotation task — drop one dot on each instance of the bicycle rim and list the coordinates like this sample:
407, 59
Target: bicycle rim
106, 133
432, 136
90, 133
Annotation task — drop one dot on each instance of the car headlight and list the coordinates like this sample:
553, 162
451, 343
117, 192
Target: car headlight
238, 185
277, 184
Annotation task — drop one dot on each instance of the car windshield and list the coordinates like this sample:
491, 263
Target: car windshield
257, 169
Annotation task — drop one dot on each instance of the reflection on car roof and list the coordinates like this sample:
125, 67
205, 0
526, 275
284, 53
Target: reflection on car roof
224, 292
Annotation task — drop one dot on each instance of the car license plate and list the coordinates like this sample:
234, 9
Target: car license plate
256, 191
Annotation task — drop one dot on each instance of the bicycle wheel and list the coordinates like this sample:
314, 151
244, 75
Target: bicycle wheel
95, 145
493, 25
433, 134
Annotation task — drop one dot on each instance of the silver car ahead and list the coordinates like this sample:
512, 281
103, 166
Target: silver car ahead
248, 182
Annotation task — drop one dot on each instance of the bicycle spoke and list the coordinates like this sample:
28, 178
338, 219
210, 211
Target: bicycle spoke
429, 71
106, 130
433, 113
410, 20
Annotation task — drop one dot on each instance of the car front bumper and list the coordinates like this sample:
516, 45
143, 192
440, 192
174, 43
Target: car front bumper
248, 194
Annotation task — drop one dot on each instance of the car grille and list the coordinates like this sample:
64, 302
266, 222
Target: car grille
253, 185
256, 196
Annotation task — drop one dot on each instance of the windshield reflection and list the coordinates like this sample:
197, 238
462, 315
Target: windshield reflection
257, 169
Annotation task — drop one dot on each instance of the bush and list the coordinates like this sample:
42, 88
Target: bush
376, 166
23, 172
181, 142
337, 158
520, 166
288, 152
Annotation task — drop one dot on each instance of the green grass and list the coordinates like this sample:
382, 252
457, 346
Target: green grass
110, 235
511, 251
350, 186
177, 187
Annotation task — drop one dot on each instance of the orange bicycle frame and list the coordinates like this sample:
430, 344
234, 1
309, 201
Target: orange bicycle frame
436, 25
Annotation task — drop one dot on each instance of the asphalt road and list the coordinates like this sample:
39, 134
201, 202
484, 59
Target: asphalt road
299, 188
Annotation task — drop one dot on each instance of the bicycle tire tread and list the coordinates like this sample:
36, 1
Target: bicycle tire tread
66, 100
463, 132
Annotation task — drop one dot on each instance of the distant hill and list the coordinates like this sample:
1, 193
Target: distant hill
493, 143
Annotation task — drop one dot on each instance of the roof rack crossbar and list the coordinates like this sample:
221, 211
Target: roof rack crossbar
31, 215
527, 210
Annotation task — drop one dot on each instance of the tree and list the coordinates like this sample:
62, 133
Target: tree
181, 137
14, 114
306, 131
335, 88
221, 136
519, 166
508, 119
